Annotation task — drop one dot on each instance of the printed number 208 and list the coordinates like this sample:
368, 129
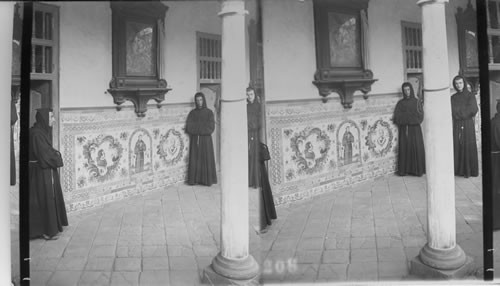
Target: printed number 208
280, 266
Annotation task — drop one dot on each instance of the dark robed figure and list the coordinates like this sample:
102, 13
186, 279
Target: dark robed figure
408, 115
253, 121
47, 213
200, 125
257, 171
495, 166
463, 109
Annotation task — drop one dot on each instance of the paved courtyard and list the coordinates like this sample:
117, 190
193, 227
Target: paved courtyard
161, 238
365, 233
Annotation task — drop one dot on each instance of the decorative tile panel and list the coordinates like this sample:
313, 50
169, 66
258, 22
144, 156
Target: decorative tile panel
319, 147
109, 155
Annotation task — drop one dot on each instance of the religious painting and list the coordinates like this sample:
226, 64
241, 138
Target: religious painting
140, 49
471, 53
379, 138
101, 157
344, 37
140, 152
348, 143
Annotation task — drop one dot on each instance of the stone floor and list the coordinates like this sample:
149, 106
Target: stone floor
365, 233
161, 238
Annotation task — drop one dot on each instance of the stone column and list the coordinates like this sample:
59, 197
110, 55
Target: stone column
233, 264
6, 28
441, 257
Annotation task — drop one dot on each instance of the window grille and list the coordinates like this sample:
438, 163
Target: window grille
43, 40
209, 58
412, 47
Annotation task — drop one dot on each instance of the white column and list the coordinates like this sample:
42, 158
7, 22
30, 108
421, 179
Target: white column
234, 261
6, 28
441, 250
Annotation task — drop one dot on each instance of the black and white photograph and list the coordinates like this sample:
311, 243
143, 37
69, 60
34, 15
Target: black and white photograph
251, 142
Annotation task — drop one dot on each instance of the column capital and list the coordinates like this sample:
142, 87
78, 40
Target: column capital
426, 2
232, 7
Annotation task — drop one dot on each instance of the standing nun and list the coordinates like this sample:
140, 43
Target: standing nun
253, 121
463, 109
47, 211
200, 125
408, 115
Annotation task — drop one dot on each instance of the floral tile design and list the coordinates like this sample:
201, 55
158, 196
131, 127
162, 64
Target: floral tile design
110, 155
316, 147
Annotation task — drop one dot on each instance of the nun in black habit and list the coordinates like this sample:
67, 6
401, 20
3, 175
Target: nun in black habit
463, 109
258, 154
200, 125
47, 212
408, 115
253, 121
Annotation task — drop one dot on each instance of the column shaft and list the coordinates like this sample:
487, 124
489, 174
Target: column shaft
441, 256
234, 143
233, 264
438, 129
6, 28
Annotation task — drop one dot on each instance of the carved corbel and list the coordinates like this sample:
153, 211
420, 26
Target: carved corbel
344, 86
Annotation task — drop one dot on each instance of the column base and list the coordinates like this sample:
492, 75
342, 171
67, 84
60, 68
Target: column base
422, 269
210, 277
225, 271
445, 259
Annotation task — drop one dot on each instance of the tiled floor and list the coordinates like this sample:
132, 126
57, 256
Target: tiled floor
365, 233
160, 238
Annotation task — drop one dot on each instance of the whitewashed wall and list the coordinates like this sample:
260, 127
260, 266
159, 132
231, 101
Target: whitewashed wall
295, 114
85, 50
289, 45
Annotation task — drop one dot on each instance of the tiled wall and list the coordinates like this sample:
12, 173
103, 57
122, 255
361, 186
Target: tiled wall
110, 155
318, 147
311, 150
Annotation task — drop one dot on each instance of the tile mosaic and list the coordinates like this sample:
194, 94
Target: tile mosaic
317, 148
112, 155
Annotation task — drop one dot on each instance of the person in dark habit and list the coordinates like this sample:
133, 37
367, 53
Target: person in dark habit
408, 115
200, 125
258, 154
47, 212
463, 109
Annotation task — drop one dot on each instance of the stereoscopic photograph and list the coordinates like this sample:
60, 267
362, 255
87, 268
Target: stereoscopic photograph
251, 142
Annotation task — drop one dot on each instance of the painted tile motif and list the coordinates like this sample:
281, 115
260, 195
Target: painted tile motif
319, 147
110, 155
171, 147
99, 159
140, 152
307, 151
348, 143
379, 138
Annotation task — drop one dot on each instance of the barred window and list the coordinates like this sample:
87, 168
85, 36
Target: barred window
209, 57
44, 40
412, 47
